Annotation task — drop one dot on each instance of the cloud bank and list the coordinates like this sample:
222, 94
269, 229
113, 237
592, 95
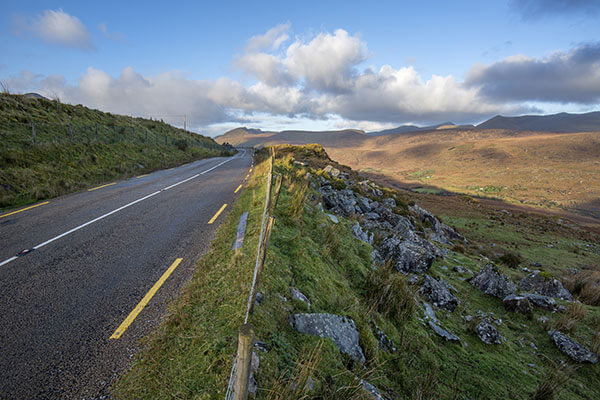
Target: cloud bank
325, 78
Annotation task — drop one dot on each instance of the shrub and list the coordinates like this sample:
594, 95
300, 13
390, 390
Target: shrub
181, 144
510, 259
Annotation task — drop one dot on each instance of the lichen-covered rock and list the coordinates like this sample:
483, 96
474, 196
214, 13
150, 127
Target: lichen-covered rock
519, 304
546, 285
571, 348
488, 333
358, 233
412, 254
491, 281
332, 171
298, 295
438, 294
440, 232
372, 390
384, 341
448, 336
538, 300
341, 330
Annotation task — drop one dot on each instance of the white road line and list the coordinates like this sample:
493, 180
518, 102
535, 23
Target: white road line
120, 209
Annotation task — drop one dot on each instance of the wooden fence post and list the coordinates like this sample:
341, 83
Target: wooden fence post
244, 358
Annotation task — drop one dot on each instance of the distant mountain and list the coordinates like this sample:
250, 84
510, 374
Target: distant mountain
557, 123
253, 137
34, 96
414, 128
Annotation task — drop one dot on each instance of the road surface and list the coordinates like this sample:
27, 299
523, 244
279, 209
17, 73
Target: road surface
89, 259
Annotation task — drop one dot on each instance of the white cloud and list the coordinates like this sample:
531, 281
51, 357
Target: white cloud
58, 27
271, 40
317, 81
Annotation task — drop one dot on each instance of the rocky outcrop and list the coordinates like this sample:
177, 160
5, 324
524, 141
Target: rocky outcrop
491, 281
537, 300
384, 341
341, 330
518, 304
438, 294
438, 231
545, 285
358, 233
574, 350
488, 333
413, 254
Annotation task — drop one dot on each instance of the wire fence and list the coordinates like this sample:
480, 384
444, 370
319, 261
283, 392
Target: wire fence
19, 135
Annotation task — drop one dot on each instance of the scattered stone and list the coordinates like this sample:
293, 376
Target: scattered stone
518, 304
341, 330
535, 265
461, 270
491, 281
358, 233
441, 232
488, 333
372, 390
538, 300
258, 299
372, 216
384, 341
574, 350
413, 279
389, 202
438, 294
542, 320
332, 218
298, 295
429, 313
261, 346
308, 385
320, 207
334, 172
376, 256
444, 268
545, 285
363, 204
448, 336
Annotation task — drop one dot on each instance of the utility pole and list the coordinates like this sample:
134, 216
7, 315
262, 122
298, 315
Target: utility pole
184, 122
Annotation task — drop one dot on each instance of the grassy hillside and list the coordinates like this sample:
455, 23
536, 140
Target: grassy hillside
194, 348
48, 149
549, 170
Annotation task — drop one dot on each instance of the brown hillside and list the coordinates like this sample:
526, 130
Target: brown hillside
543, 169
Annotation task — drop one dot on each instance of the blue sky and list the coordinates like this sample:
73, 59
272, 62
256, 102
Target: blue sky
317, 65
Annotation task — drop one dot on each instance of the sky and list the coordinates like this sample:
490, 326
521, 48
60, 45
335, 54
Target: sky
307, 65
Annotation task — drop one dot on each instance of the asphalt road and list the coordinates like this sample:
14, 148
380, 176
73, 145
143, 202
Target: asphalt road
61, 302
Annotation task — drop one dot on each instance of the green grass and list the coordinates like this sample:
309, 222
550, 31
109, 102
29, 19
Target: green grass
58, 163
193, 350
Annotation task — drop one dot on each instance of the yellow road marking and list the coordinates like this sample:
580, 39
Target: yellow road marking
213, 219
132, 315
24, 209
100, 187
247, 176
250, 170
141, 176
238, 188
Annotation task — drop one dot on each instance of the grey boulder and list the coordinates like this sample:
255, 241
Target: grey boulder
438, 293
538, 300
358, 233
519, 304
341, 330
298, 295
491, 281
574, 350
544, 285
488, 333
413, 254
448, 336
